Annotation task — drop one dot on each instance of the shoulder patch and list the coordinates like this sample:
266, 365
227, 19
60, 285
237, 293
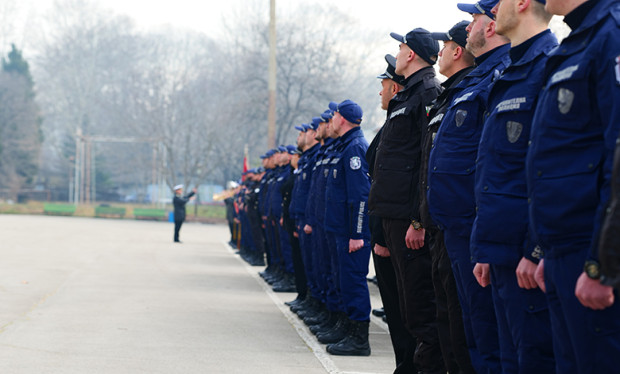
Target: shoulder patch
355, 163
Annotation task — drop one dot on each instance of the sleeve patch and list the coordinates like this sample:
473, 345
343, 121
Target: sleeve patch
355, 163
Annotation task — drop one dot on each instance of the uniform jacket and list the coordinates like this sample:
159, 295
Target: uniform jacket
394, 190
452, 162
263, 194
302, 183
499, 234
574, 132
315, 206
374, 222
439, 109
346, 193
179, 206
275, 192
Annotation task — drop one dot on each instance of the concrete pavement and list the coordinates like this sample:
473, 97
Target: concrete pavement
84, 295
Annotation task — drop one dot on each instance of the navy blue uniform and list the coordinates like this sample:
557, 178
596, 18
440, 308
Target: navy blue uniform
499, 235
346, 217
452, 204
569, 165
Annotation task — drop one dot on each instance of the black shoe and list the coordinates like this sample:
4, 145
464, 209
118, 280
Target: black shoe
355, 343
379, 312
327, 325
384, 318
337, 333
372, 279
178, 241
297, 301
317, 319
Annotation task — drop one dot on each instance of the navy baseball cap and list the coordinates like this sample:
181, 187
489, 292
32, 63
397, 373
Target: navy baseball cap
301, 128
457, 34
421, 42
268, 154
282, 149
481, 7
390, 71
349, 110
327, 115
316, 121
291, 149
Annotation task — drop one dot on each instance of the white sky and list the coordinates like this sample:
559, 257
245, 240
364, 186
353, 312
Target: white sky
388, 15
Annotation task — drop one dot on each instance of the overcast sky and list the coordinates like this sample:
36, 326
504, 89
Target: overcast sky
386, 15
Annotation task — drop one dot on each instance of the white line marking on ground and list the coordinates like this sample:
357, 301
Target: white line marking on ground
300, 327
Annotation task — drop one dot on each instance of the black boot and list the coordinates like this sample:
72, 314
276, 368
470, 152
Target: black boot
287, 284
355, 343
317, 318
337, 333
327, 325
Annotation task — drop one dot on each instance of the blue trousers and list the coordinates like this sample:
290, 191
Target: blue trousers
330, 262
585, 340
306, 245
477, 305
286, 249
353, 268
524, 326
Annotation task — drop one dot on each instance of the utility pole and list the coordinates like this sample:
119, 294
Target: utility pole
271, 117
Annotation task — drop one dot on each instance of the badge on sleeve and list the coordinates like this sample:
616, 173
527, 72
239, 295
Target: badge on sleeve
565, 100
513, 130
460, 116
355, 163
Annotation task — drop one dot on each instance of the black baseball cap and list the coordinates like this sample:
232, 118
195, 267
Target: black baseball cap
421, 42
457, 34
390, 71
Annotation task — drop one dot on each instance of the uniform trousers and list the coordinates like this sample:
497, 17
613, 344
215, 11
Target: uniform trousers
330, 262
403, 343
415, 293
584, 340
352, 272
479, 318
454, 346
524, 328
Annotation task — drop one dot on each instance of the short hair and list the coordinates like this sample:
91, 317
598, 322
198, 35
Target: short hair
539, 11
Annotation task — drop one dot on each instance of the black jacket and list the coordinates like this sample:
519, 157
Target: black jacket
375, 223
394, 192
179, 206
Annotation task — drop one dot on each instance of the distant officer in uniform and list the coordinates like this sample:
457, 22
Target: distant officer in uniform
394, 194
569, 169
455, 62
179, 202
450, 193
347, 199
499, 243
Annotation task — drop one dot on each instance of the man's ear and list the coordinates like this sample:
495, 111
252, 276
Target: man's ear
490, 30
458, 53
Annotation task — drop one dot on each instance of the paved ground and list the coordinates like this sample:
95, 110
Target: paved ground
83, 295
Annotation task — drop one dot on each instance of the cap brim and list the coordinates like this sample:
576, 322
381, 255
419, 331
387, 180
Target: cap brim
468, 8
333, 106
398, 37
440, 36
383, 76
390, 59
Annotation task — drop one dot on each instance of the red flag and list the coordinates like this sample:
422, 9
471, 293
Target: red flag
245, 163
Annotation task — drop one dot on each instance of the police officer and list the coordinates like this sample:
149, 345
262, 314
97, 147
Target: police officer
402, 342
179, 202
394, 192
499, 244
451, 180
455, 62
568, 165
347, 199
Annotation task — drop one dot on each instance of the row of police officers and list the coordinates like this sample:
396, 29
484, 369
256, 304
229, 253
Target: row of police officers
486, 200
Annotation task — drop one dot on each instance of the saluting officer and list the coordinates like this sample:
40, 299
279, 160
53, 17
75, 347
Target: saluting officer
499, 244
451, 167
179, 202
569, 165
